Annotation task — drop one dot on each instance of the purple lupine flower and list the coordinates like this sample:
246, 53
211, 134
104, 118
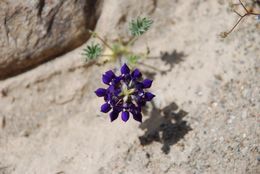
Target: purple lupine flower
125, 94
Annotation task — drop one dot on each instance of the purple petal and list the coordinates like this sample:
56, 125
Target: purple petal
111, 89
147, 83
139, 85
125, 69
116, 80
138, 116
125, 116
105, 108
101, 92
113, 100
126, 78
136, 73
141, 103
113, 115
149, 96
110, 74
106, 79
117, 92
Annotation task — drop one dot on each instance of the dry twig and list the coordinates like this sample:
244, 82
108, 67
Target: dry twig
241, 16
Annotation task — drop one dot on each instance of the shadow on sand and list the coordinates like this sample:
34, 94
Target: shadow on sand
165, 126
169, 59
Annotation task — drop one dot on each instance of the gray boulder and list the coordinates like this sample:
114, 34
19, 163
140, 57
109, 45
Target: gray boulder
35, 31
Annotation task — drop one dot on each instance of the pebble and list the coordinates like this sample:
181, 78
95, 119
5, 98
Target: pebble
258, 18
245, 93
258, 158
4, 92
244, 114
244, 151
221, 139
232, 117
215, 104
199, 93
3, 122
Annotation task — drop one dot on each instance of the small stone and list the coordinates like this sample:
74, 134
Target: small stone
244, 151
214, 104
230, 121
258, 158
199, 93
4, 92
221, 139
3, 122
218, 77
258, 18
244, 114
245, 92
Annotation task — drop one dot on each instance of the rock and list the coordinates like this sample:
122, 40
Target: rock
33, 32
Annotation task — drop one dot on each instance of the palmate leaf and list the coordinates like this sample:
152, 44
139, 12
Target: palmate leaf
140, 26
92, 51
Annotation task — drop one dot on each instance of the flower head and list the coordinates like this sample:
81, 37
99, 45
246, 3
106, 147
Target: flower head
125, 94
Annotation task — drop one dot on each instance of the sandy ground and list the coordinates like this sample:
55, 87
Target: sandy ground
204, 119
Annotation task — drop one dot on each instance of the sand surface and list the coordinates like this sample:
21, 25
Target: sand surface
204, 119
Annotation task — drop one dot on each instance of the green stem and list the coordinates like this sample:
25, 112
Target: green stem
106, 55
132, 40
94, 34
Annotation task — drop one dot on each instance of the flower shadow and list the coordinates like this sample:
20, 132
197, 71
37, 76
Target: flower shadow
165, 126
169, 59
173, 58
